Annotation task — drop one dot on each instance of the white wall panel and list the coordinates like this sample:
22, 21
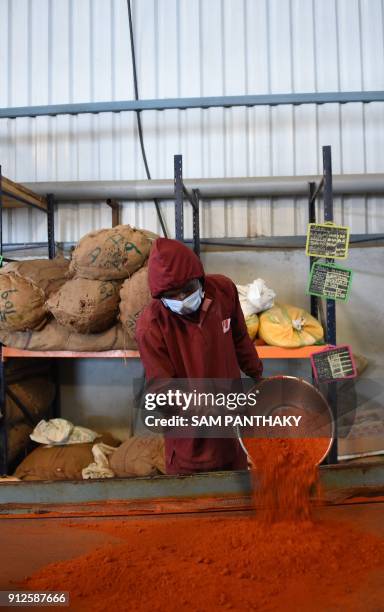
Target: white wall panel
54, 51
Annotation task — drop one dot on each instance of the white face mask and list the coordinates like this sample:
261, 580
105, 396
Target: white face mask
188, 305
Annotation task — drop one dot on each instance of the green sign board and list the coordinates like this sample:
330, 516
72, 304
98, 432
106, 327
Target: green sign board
330, 282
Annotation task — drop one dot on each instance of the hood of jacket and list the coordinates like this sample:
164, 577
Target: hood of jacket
171, 265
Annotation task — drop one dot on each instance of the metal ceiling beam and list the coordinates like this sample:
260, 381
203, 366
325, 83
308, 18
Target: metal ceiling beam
329, 97
243, 187
258, 242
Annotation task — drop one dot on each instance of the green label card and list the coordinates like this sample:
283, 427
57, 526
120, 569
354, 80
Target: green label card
330, 282
327, 240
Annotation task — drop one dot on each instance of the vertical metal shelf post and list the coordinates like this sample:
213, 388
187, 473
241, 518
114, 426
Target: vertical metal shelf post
179, 197
330, 304
1, 215
3, 426
51, 225
51, 254
312, 219
193, 199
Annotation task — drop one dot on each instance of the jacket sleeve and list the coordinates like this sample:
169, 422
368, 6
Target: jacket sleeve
247, 356
154, 353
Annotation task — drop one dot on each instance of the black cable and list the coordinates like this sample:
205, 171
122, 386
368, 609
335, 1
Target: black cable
138, 117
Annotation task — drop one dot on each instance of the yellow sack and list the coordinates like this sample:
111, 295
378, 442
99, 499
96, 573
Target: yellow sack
252, 323
289, 327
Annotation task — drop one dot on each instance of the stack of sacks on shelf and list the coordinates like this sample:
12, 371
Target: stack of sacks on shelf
70, 452
24, 288
106, 267
29, 384
274, 323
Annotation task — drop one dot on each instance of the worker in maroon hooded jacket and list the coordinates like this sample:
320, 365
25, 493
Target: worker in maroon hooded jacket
194, 328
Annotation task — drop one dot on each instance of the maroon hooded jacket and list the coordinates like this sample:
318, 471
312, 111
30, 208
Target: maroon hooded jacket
213, 343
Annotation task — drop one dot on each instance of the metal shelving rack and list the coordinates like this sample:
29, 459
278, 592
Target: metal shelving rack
181, 192
13, 195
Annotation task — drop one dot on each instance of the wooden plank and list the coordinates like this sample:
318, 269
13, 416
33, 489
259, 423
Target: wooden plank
10, 189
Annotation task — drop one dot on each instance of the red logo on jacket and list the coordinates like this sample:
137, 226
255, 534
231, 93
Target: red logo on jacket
226, 323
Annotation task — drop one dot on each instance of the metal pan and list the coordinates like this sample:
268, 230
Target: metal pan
278, 394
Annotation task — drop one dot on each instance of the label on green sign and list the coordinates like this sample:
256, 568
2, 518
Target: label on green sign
330, 282
327, 240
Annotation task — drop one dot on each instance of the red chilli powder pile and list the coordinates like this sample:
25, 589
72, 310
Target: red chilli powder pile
284, 472
284, 562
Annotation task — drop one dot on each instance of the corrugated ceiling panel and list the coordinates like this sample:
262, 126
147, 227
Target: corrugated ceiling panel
79, 50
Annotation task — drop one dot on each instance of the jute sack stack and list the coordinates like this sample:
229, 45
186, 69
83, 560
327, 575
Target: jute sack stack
110, 254
55, 337
86, 306
48, 274
134, 297
24, 286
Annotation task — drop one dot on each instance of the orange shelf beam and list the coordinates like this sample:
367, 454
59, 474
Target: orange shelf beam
8, 351
276, 352
264, 352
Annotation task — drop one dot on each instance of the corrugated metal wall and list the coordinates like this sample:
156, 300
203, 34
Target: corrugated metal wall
55, 51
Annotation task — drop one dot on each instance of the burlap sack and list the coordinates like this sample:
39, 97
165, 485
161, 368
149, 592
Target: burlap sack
18, 439
139, 457
134, 297
36, 394
109, 254
55, 337
22, 303
48, 274
150, 235
86, 306
59, 462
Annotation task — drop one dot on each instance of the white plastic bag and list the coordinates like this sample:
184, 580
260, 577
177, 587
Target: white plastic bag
60, 431
260, 296
99, 468
246, 306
